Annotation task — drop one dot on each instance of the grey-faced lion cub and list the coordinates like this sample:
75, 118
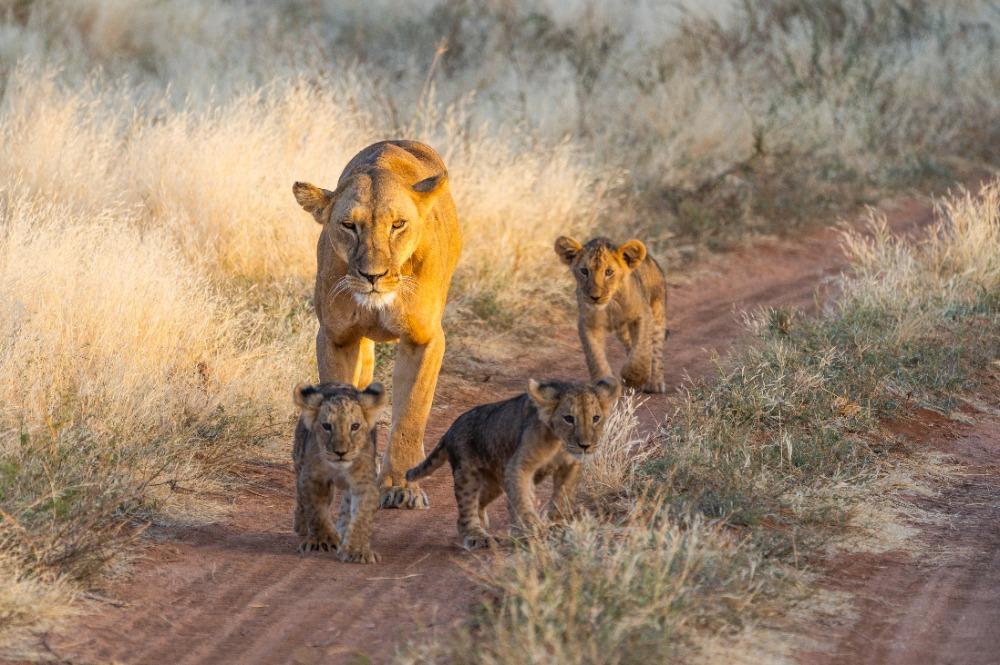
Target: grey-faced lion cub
620, 289
511, 446
335, 448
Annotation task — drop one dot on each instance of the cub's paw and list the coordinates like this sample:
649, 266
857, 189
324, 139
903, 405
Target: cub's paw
358, 555
477, 540
412, 498
655, 387
318, 545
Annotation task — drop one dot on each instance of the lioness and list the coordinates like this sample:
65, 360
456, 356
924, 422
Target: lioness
513, 445
620, 288
388, 248
335, 448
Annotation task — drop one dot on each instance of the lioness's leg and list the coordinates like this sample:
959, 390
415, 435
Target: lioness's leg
338, 362
564, 481
413, 381
468, 485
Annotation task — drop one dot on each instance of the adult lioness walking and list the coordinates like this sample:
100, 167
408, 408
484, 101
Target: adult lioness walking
385, 257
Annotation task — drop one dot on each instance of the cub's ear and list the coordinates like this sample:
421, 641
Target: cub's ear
373, 399
608, 390
632, 253
314, 200
545, 396
567, 248
426, 191
308, 398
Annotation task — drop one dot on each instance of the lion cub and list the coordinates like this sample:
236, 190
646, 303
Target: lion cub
620, 289
513, 445
335, 448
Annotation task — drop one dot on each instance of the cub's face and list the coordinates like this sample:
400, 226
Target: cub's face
576, 413
600, 266
340, 419
374, 223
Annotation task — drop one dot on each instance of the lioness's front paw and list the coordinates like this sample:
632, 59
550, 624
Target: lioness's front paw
318, 545
477, 540
358, 555
655, 387
405, 497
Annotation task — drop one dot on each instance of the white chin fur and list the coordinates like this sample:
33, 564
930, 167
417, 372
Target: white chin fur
373, 300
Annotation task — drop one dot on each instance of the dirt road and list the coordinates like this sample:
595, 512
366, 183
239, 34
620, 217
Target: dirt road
941, 604
236, 592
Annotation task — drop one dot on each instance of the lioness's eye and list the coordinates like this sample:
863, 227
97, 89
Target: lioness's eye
569, 419
609, 272
584, 272
355, 427
327, 426
399, 223
348, 225
596, 418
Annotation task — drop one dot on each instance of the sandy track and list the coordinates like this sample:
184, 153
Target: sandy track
236, 592
941, 604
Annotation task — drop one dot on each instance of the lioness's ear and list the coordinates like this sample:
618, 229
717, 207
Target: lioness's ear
608, 390
545, 396
567, 248
425, 191
373, 399
313, 200
308, 398
632, 253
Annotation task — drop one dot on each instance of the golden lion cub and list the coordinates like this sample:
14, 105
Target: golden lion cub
335, 448
513, 445
620, 289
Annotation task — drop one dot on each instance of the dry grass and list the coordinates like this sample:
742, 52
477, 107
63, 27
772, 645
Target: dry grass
154, 282
759, 470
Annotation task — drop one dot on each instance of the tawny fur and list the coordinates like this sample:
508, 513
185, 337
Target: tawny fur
622, 290
385, 257
335, 449
513, 445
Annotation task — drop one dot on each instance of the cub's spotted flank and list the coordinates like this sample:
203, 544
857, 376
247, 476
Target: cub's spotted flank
511, 446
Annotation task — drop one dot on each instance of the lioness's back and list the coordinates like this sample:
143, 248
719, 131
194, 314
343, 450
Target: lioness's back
410, 159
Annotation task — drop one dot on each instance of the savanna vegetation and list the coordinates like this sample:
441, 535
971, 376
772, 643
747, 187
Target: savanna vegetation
155, 271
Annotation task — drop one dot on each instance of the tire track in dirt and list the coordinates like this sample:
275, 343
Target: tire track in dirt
237, 592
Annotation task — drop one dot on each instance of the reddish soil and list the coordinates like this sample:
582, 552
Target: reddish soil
236, 591
941, 602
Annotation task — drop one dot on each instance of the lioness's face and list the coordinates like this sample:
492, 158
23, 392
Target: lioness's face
599, 267
576, 413
340, 419
375, 223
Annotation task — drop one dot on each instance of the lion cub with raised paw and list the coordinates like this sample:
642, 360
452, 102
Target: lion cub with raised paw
513, 445
335, 447
620, 289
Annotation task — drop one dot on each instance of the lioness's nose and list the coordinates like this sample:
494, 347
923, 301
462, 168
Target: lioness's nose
374, 278
584, 446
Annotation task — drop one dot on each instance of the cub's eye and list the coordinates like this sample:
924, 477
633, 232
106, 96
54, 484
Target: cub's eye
584, 272
569, 419
327, 426
609, 272
398, 224
348, 225
596, 418
355, 427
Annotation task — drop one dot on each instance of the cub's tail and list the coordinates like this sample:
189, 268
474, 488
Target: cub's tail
430, 464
